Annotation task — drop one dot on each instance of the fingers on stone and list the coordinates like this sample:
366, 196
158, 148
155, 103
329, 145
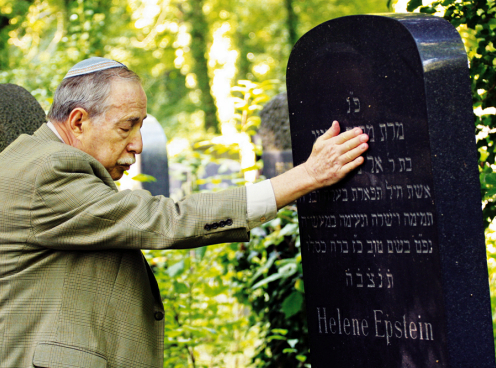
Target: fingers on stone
333, 131
352, 164
353, 143
346, 136
355, 152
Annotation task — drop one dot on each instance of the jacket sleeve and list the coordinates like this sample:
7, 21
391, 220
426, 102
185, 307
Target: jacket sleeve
73, 208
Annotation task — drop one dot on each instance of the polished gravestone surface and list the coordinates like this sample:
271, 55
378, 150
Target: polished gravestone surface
20, 113
393, 257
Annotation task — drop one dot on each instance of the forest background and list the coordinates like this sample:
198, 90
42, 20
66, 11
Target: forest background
208, 66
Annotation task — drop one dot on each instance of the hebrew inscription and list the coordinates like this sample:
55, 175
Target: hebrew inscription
371, 230
385, 192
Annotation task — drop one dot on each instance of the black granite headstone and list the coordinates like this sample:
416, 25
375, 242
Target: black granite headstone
20, 113
393, 257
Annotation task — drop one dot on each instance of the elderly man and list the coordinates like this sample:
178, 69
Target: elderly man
75, 290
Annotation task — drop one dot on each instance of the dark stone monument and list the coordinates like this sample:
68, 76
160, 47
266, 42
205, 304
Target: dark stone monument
154, 157
152, 161
393, 257
20, 113
276, 137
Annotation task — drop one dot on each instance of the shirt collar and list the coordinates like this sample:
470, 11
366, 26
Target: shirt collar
53, 129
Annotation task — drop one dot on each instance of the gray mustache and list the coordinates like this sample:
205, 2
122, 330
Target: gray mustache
126, 161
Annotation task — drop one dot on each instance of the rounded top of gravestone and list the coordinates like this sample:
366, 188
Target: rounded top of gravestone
153, 134
20, 113
274, 127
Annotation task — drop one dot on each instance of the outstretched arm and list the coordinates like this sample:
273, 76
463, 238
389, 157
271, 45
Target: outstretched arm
333, 156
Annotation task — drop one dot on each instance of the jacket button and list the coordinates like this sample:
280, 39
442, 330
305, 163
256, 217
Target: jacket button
207, 227
222, 223
215, 225
158, 316
229, 222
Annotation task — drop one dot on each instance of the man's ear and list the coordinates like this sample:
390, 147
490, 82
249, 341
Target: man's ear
78, 120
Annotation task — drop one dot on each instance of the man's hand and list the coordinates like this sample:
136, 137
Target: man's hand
333, 156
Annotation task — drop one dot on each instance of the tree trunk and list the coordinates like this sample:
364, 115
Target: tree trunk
291, 22
242, 64
199, 32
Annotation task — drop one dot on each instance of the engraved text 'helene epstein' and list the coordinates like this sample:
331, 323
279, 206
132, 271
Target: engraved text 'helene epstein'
381, 325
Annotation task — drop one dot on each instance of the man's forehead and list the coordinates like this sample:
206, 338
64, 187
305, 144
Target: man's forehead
128, 100
124, 91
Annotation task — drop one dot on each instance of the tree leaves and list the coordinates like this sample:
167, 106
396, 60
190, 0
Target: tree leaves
413, 4
176, 269
292, 304
143, 178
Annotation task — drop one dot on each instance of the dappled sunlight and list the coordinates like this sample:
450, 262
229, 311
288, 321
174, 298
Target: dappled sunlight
223, 59
229, 136
145, 15
177, 146
401, 5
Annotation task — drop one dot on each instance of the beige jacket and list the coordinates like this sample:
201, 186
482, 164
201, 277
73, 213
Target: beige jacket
75, 290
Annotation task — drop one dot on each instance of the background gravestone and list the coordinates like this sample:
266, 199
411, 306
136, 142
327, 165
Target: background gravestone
276, 137
20, 113
152, 161
393, 257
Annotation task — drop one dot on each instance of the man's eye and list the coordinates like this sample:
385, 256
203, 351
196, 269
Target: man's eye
125, 130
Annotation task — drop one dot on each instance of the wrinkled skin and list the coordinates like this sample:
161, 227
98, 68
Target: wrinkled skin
113, 138
334, 155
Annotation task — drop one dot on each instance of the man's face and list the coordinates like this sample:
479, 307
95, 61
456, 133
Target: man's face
114, 138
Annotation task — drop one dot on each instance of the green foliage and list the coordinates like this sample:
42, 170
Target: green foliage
143, 178
251, 98
204, 325
270, 268
248, 99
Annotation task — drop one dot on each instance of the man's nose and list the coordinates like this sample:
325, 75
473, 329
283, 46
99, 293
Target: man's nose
136, 143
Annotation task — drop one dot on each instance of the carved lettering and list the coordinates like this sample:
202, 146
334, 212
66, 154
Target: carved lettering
376, 164
383, 132
373, 280
420, 218
369, 130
